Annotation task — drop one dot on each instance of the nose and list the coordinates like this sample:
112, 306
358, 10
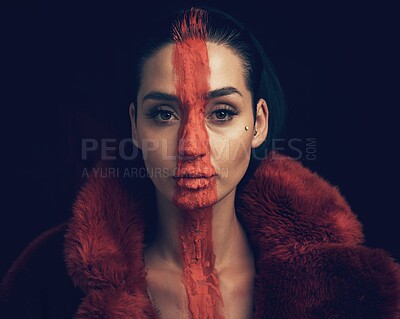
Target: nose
192, 143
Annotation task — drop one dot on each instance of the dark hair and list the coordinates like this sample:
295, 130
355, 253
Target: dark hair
223, 29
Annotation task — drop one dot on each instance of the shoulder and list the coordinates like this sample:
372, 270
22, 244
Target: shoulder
37, 285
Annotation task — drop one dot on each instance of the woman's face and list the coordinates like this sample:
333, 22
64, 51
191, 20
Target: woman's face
227, 113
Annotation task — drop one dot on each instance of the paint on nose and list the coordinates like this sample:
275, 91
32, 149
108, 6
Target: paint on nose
196, 188
191, 144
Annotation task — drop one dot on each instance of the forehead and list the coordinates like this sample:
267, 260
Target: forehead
226, 69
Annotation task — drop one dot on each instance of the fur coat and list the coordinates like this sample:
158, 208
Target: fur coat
308, 247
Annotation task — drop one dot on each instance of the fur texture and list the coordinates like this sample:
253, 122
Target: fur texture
310, 261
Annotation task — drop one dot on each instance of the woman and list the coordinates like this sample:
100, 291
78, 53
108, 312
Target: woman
214, 230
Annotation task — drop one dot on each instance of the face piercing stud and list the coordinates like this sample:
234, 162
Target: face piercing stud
246, 128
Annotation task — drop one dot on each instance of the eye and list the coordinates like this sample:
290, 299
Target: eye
162, 114
165, 115
223, 114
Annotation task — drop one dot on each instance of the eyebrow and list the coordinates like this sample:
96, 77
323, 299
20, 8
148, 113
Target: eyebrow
227, 90
161, 96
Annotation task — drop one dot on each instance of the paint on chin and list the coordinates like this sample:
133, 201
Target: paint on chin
196, 189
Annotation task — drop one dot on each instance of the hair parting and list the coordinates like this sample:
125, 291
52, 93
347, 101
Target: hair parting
193, 25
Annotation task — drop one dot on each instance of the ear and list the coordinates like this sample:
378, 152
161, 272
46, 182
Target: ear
133, 124
260, 124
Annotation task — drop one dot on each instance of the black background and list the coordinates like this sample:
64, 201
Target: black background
63, 80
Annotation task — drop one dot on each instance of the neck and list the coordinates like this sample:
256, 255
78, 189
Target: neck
201, 244
218, 224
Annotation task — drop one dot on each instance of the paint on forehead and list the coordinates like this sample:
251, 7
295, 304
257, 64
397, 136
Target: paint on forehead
195, 196
191, 58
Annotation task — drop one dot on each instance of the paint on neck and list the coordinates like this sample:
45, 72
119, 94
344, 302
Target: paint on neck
196, 190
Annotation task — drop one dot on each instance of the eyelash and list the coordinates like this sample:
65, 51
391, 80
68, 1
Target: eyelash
230, 111
155, 112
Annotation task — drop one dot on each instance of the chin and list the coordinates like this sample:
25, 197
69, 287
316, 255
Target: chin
200, 199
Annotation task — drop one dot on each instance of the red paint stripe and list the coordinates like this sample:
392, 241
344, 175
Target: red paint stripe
195, 195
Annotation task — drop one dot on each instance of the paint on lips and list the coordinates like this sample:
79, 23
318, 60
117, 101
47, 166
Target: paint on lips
193, 182
196, 189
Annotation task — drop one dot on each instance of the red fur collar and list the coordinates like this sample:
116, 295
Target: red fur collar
287, 210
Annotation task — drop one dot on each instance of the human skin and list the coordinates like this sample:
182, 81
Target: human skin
228, 150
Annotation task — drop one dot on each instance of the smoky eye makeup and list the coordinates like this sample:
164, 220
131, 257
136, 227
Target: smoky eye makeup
161, 114
218, 114
222, 113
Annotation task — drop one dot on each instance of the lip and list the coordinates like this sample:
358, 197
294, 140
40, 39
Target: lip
194, 176
194, 181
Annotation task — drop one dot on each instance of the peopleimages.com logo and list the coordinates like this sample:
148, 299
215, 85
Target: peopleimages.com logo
110, 148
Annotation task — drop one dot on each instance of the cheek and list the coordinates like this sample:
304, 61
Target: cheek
231, 156
230, 149
159, 155
159, 146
